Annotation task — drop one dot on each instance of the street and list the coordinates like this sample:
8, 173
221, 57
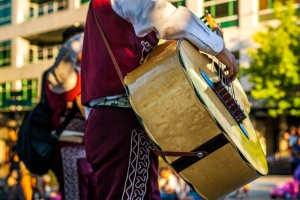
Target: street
259, 189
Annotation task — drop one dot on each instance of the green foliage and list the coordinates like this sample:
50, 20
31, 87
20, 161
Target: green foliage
275, 66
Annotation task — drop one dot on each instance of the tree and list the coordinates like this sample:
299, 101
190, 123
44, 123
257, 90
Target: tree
275, 66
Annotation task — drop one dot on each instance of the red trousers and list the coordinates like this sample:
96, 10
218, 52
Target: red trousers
119, 153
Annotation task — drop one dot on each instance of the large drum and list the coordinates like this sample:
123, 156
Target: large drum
185, 106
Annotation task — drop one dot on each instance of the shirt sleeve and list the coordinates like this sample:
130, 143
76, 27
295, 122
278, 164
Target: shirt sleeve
168, 22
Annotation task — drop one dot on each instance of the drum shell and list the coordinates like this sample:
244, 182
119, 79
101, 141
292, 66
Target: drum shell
176, 120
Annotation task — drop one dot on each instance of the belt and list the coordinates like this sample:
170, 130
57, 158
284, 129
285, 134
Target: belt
122, 102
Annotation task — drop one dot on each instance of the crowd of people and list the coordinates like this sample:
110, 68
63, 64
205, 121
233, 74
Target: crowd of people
20, 184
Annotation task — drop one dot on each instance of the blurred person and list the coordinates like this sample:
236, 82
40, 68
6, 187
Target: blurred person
243, 192
296, 155
181, 188
47, 187
25, 181
184, 191
15, 191
292, 136
12, 156
168, 184
294, 146
286, 135
63, 93
113, 135
296, 177
38, 187
12, 178
191, 194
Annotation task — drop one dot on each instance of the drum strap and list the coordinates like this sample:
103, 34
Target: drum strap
209, 147
109, 49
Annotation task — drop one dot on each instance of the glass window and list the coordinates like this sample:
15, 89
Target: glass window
84, 1
41, 9
29, 92
226, 9
223, 10
229, 23
5, 92
179, 3
27, 96
5, 12
5, 51
46, 8
264, 4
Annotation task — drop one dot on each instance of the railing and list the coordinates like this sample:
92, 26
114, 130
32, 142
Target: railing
39, 54
15, 101
268, 14
38, 10
265, 15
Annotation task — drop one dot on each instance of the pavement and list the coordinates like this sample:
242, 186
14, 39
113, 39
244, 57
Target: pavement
259, 189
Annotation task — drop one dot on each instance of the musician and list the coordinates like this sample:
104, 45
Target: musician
116, 145
63, 90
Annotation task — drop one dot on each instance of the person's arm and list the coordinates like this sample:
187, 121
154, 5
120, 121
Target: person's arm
171, 23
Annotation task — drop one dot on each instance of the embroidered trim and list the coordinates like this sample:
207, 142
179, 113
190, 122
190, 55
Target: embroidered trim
69, 160
137, 173
146, 49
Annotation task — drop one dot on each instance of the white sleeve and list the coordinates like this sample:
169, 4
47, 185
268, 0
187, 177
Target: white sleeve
70, 49
168, 22
62, 76
74, 46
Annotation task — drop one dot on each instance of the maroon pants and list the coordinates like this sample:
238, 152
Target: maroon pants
118, 150
86, 179
76, 179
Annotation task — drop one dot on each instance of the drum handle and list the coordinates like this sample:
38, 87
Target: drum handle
199, 154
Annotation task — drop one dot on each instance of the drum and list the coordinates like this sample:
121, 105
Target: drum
178, 95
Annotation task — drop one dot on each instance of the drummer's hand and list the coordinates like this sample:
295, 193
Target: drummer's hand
228, 59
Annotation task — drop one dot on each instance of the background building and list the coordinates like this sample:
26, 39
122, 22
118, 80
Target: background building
30, 37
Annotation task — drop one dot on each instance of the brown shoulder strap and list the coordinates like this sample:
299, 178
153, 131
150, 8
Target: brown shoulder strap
108, 48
